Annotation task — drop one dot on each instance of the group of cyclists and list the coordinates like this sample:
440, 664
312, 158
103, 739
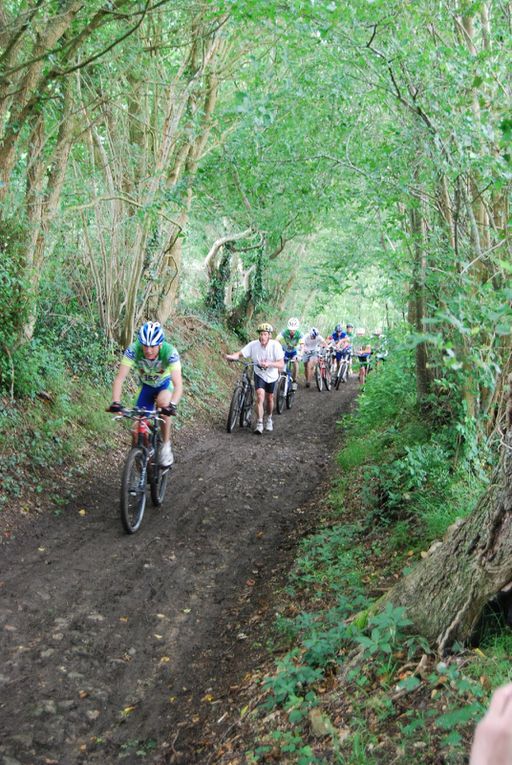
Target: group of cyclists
158, 365
291, 346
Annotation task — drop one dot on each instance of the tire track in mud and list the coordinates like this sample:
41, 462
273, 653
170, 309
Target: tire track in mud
110, 642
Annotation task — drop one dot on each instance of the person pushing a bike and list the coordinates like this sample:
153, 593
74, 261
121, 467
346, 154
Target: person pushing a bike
159, 367
268, 357
292, 342
313, 341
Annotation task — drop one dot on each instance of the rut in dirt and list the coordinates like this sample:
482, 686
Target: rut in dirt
119, 648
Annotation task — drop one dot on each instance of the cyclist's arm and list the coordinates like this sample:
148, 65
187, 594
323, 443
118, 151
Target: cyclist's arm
117, 386
177, 383
233, 356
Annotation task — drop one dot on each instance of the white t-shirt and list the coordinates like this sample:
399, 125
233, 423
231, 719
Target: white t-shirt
312, 343
273, 351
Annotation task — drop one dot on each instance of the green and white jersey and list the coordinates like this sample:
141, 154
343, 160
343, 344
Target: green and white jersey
156, 372
288, 342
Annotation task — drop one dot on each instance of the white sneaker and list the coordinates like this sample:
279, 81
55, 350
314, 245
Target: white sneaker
294, 386
259, 427
268, 423
166, 457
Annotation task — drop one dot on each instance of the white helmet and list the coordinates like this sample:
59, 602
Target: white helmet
151, 333
293, 324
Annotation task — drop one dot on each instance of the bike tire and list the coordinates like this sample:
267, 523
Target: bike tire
280, 397
133, 490
158, 478
234, 408
327, 379
318, 379
289, 397
158, 484
338, 379
246, 410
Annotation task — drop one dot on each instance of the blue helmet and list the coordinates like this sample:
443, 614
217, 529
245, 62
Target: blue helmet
338, 328
151, 333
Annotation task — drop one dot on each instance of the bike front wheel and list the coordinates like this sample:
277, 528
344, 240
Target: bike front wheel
281, 395
289, 396
133, 490
327, 378
319, 378
234, 408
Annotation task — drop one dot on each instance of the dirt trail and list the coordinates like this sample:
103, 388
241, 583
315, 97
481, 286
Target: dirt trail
118, 648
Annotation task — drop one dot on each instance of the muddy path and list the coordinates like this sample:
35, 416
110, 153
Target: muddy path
121, 648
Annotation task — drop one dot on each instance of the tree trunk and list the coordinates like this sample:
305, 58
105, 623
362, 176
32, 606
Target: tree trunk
418, 299
445, 594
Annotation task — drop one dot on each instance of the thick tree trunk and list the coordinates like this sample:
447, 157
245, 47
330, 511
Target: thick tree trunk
445, 594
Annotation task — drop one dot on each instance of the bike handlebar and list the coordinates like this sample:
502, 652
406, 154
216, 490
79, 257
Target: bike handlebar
136, 412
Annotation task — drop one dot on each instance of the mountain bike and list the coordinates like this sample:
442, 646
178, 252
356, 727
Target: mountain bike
285, 392
242, 400
323, 370
142, 467
343, 370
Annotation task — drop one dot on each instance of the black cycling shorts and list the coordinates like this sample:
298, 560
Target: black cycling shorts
259, 382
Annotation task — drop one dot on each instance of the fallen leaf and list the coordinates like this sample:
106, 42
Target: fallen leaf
250, 583
128, 710
42, 549
83, 694
187, 610
82, 512
158, 637
207, 697
164, 660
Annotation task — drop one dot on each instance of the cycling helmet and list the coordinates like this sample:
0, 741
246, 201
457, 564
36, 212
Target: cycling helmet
265, 327
293, 324
313, 332
350, 325
151, 333
338, 328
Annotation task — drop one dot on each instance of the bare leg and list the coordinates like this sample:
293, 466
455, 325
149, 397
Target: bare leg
260, 398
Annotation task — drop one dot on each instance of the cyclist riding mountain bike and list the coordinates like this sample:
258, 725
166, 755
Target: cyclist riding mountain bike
269, 360
159, 368
312, 342
292, 341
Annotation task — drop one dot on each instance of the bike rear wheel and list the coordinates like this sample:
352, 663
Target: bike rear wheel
159, 477
235, 408
319, 378
281, 395
133, 490
246, 410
